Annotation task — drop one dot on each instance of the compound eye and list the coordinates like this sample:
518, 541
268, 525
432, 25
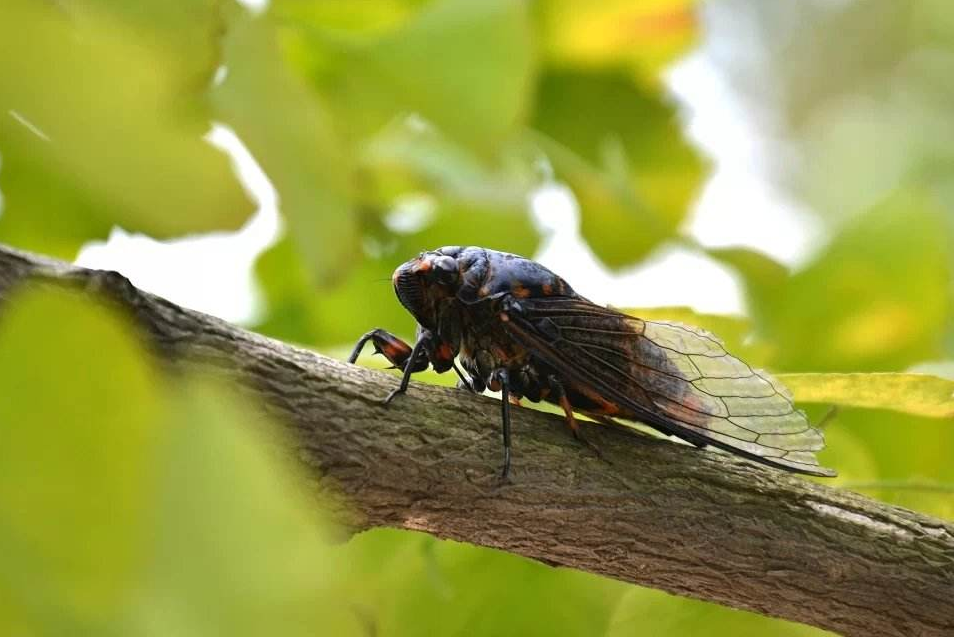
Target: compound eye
445, 270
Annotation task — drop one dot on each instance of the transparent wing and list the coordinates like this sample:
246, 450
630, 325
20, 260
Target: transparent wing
677, 378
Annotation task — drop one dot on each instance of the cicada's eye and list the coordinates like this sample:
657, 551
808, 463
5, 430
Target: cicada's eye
445, 270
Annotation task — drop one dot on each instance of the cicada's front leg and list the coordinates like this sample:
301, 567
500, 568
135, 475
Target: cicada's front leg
394, 350
399, 353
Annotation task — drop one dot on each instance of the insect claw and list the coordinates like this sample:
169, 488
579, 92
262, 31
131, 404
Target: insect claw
585, 441
391, 396
503, 479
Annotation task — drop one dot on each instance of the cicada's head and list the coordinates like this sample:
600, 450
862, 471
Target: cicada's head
423, 285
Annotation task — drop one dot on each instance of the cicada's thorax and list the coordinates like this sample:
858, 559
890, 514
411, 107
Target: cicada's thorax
489, 281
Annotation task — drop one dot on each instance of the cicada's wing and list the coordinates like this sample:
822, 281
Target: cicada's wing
676, 378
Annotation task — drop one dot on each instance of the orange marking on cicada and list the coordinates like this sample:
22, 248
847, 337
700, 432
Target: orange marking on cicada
570, 417
604, 407
445, 352
394, 352
521, 292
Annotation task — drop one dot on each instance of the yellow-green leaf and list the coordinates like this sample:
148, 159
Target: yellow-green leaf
292, 136
921, 394
620, 148
645, 36
102, 125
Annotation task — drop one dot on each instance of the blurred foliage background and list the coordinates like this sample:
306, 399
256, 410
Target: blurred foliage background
131, 502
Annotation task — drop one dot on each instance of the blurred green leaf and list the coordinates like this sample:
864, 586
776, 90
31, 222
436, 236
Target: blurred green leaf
234, 547
920, 394
895, 449
761, 272
408, 158
100, 125
77, 425
878, 298
465, 67
185, 33
627, 162
654, 613
368, 17
430, 587
644, 36
292, 136
130, 505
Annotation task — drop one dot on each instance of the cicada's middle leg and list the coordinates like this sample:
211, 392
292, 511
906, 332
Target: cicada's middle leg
501, 380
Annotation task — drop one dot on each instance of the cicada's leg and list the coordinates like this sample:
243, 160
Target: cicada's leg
394, 350
470, 379
557, 392
401, 355
466, 383
503, 378
409, 369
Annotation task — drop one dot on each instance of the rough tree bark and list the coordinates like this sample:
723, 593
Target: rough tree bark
697, 523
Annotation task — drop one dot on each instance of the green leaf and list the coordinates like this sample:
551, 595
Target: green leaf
101, 125
620, 148
134, 504
878, 298
77, 429
642, 36
235, 544
920, 394
655, 613
368, 17
186, 33
887, 450
407, 159
292, 136
417, 585
465, 67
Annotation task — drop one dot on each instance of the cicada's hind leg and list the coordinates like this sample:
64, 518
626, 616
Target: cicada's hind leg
558, 393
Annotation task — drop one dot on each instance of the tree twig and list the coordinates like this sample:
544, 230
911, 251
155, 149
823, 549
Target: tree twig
691, 522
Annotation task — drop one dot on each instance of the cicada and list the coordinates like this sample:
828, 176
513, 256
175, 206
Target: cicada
518, 328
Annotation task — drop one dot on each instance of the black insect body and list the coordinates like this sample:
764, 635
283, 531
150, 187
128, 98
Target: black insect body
518, 328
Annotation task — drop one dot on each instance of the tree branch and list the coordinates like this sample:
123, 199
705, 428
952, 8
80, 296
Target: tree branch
697, 523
